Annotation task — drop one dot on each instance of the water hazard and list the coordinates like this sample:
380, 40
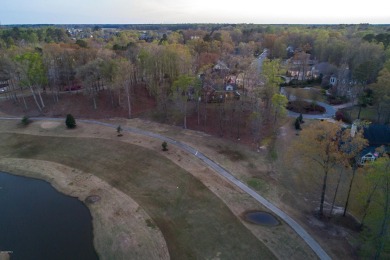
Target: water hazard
261, 218
38, 222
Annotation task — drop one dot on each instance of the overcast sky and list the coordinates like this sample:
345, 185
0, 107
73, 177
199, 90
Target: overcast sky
193, 11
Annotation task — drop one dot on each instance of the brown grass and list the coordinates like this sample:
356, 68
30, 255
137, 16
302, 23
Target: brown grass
181, 206
127, 237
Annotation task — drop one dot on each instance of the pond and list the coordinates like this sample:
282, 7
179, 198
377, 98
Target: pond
261, 218
38, 222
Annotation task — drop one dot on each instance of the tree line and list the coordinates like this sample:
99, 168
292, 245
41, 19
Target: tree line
48, 60
362, 192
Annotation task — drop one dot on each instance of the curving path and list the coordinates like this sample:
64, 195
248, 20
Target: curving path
220, 170
330, 110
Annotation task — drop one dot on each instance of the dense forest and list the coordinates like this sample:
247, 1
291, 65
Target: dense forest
227, 77
184, 65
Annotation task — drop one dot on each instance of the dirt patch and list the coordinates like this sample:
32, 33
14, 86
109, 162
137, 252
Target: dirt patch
49, 125
233, 155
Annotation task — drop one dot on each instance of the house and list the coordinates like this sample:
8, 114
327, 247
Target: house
229, 87
221, 66
207, 93
343, 84
368, 155
290, 51
231, 79
4, 85
211, 95
146, 36
245, 81
300, 66
377, 136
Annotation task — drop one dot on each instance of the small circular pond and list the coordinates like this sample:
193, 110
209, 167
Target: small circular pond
261, 218
38, 222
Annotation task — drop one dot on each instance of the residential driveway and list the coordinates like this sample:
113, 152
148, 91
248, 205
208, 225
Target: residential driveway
330, 112
222, 172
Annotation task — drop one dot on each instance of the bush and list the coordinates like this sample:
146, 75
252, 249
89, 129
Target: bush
82, 43
25, 121
297, 124
340, 115
337, 100
70, 121
164, 146
300, 118
119, 130
273, 154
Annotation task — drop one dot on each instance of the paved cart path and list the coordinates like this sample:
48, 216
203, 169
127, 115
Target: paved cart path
219, 169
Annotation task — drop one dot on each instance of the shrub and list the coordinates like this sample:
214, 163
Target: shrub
297, 124
257, 184
340, 115
164, 146
300, 117
82, 43
25, 121
337, 100
70, 121
119, 130
273, 154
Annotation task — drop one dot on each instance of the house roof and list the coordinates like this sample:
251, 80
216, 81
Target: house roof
368, 150
325, 68
377, 135
221, 66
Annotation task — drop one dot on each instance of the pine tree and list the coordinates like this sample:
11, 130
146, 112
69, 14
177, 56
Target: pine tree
70, 121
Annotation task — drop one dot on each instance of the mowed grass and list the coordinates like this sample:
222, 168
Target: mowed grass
195, 223
302, 93
366, 113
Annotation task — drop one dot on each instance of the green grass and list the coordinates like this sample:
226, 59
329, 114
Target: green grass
150, 223
233, 155
367, 113
195, 223
300, 93
257, 184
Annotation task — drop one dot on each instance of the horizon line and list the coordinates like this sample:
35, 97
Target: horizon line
204, 23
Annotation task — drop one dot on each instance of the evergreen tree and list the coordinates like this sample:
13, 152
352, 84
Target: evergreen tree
70, 121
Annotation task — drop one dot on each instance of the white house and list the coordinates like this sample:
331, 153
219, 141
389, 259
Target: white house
368, 157
221, 66
229, 88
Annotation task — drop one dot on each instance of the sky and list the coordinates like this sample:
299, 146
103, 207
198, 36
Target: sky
194, 11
